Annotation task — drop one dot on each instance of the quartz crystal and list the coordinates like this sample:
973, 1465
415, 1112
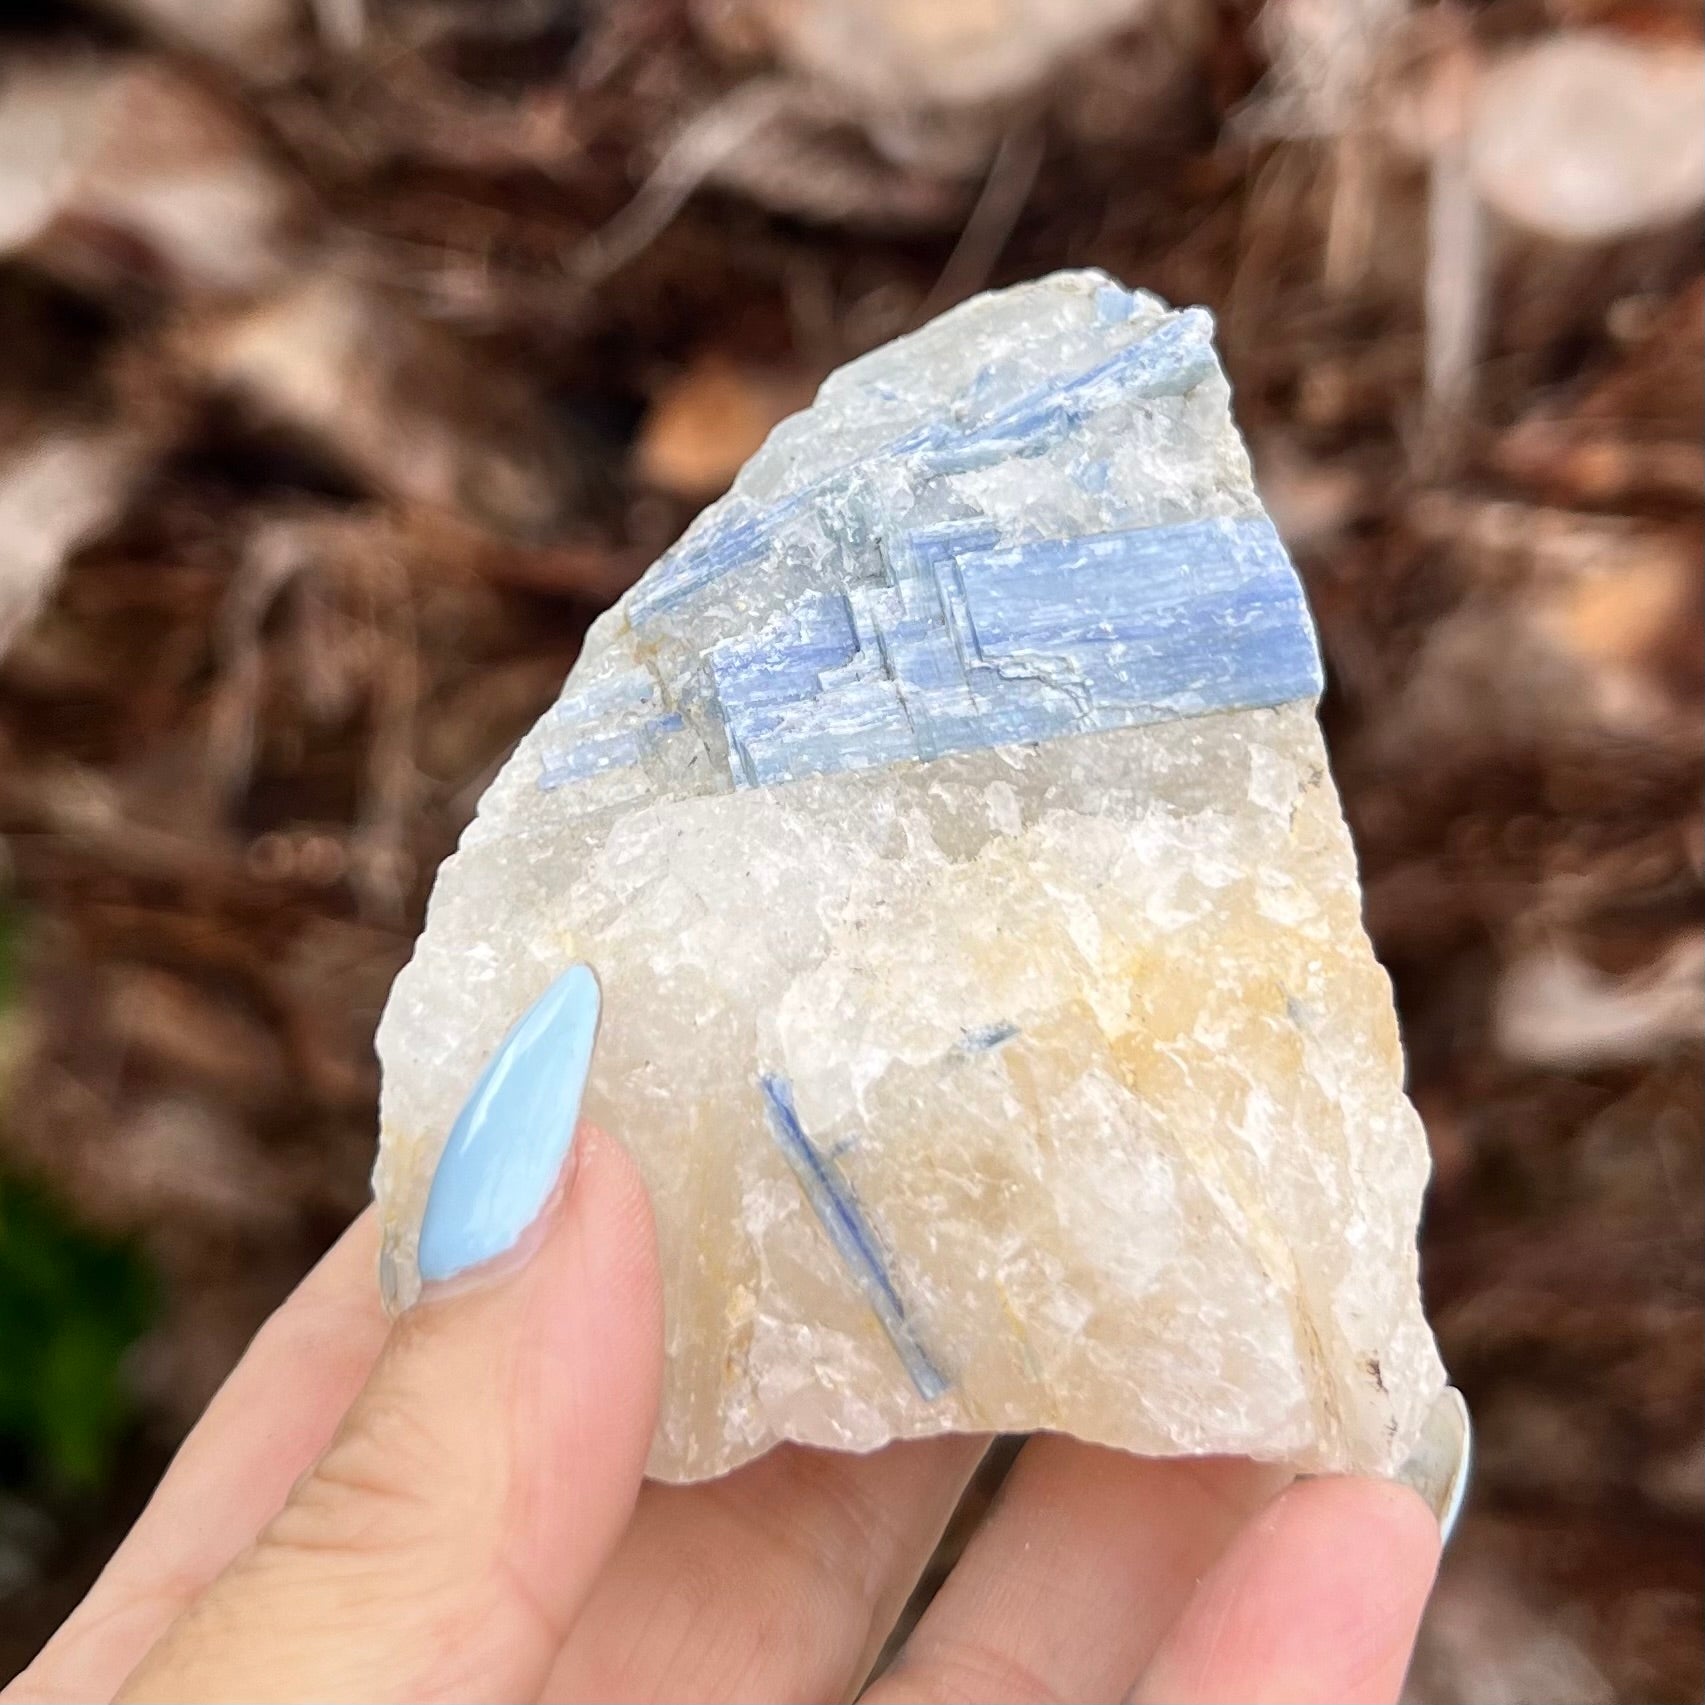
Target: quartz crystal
985, 993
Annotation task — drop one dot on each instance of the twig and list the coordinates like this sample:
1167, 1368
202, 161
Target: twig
989, 225
1455, 296
715, 135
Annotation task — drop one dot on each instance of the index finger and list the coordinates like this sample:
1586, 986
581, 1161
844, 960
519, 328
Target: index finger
270, 1421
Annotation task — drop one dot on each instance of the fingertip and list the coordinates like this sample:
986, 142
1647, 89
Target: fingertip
1319, 1599
1350, 1560
604, 1282
609, 1191
1387, 1523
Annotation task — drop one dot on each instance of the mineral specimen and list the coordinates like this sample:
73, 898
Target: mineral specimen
986, 998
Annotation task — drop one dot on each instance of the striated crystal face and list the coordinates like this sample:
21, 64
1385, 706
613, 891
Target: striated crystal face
986, 998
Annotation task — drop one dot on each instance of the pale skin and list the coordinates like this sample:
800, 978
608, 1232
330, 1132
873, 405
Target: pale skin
452, 1508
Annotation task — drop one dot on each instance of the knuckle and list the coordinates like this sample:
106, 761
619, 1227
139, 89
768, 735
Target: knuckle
380, 1486
826, 1524
955, 1672
681, 1640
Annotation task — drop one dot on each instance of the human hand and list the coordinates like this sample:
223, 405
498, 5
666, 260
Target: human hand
451, 1507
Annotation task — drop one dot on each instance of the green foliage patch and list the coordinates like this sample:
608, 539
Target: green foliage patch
71, 1304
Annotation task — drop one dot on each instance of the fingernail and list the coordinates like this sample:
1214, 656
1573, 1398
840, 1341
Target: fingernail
1443, 1459
509, 1142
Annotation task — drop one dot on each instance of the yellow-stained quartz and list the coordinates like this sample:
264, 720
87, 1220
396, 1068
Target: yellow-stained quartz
1173, 1211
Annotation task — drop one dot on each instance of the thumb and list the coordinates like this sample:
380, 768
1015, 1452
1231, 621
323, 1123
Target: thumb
445, 1541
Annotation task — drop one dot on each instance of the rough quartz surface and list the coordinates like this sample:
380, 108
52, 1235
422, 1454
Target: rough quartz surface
986, 997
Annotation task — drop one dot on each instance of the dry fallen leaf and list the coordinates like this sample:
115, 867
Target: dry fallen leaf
708, 419
402, 404
57, 491
115, 164
1553, 1009
260, 39
1589, 136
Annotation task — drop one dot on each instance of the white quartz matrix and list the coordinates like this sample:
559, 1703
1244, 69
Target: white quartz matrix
985, 993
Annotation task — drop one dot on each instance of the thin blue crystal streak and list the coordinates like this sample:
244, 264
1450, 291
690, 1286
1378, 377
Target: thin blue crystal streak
1114, 304
834, 1204
966, 646
611, 725
1173, 359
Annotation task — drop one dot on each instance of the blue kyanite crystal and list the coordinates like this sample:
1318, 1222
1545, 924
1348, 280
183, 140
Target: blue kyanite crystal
1028, 642
994, 572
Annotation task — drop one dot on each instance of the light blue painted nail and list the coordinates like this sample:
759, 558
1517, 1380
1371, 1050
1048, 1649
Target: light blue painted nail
1443, 1458
509, 1142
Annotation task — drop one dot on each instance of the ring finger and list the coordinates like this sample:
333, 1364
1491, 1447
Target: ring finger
1070, 1584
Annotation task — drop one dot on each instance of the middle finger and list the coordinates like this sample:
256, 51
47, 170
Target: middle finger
778, 1581
1075, 1575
